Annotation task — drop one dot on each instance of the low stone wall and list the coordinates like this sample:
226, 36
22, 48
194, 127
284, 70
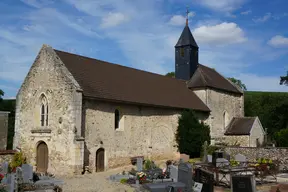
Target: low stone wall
253, 153
6, 155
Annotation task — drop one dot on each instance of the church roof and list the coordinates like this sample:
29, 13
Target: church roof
240, 126
113, 82
208, 77
186, 38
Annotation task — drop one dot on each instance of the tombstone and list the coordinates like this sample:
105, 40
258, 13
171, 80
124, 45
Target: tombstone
240, 158
4, 168
242, 183
221, 162
173, 173
139, 164
184, 157
205, 160
206, 178
209, 158
11, 182
27, 173
185, 175
197, 187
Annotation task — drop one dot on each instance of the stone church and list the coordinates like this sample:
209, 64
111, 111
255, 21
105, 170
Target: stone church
74, 112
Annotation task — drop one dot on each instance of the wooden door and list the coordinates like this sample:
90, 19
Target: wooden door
42, 157
100, 160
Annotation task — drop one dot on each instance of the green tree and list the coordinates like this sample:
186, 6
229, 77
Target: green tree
1, 94
238, 83
284, 80
191, 134
282, 138
170, 74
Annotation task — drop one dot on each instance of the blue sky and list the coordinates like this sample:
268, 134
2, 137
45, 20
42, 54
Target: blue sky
245, 39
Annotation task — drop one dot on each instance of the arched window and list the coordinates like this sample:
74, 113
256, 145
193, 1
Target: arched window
225, 119
44, 111
117, 119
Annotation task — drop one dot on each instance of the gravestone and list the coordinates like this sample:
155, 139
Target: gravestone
209, 158
4, 168
197, 187
185, 175
139, 164
27, 173
221, 162
205, 158
206, 178
184, 157
242, 183
240, 158
174, 172
11, 182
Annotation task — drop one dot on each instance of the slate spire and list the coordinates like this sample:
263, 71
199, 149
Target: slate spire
186, 54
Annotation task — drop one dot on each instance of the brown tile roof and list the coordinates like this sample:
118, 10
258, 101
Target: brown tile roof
208, 77
240, 126
103, 80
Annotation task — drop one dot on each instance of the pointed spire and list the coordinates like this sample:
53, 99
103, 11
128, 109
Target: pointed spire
187, 14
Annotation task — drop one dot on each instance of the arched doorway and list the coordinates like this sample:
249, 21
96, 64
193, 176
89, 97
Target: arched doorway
100, 160
42, 157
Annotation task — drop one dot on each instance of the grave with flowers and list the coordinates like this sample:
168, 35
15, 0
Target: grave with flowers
18, 176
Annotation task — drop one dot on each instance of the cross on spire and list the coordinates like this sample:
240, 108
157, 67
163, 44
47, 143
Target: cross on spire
187, 13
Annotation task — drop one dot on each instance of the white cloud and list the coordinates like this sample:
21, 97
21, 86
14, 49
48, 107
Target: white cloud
246, 12
113, 19
221, 34
266, 17
179, 20
278, 41
38, 3
222, 5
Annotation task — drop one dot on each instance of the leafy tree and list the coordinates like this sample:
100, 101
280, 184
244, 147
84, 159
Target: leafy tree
284, 80
1, 94
281, 138
9, 105
238, 83
170, 74
191, 134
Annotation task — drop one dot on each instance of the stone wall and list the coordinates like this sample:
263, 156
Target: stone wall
143, 131
257, 133
49, 78
242, 140
220, 102
253, 153
3, 129
6, 155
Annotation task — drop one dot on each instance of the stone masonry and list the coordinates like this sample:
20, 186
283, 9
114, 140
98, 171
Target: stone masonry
3, 129
78, 127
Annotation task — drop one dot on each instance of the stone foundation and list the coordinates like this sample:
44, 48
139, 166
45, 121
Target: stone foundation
6, 155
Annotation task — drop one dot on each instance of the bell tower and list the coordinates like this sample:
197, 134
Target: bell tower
186, 54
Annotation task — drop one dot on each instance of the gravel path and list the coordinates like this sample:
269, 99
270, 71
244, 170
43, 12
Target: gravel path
96, 182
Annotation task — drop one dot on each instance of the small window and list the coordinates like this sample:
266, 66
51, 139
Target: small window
44, 111
182, 52
117, 119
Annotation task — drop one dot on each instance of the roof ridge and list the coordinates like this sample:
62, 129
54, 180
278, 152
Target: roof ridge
119, 65
202, 76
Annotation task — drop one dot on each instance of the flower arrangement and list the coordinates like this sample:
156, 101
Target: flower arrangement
141, 176
234, 163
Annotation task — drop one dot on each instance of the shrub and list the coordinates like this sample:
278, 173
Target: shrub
123, 181
17, 161
191, 134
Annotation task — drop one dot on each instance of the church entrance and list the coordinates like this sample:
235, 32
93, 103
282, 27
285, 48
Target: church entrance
42, 157
100, 160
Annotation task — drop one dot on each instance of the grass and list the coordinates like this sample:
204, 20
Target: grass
194, 160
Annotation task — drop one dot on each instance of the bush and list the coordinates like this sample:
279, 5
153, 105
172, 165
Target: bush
191, 134
17, 161
123, 181
281, 138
